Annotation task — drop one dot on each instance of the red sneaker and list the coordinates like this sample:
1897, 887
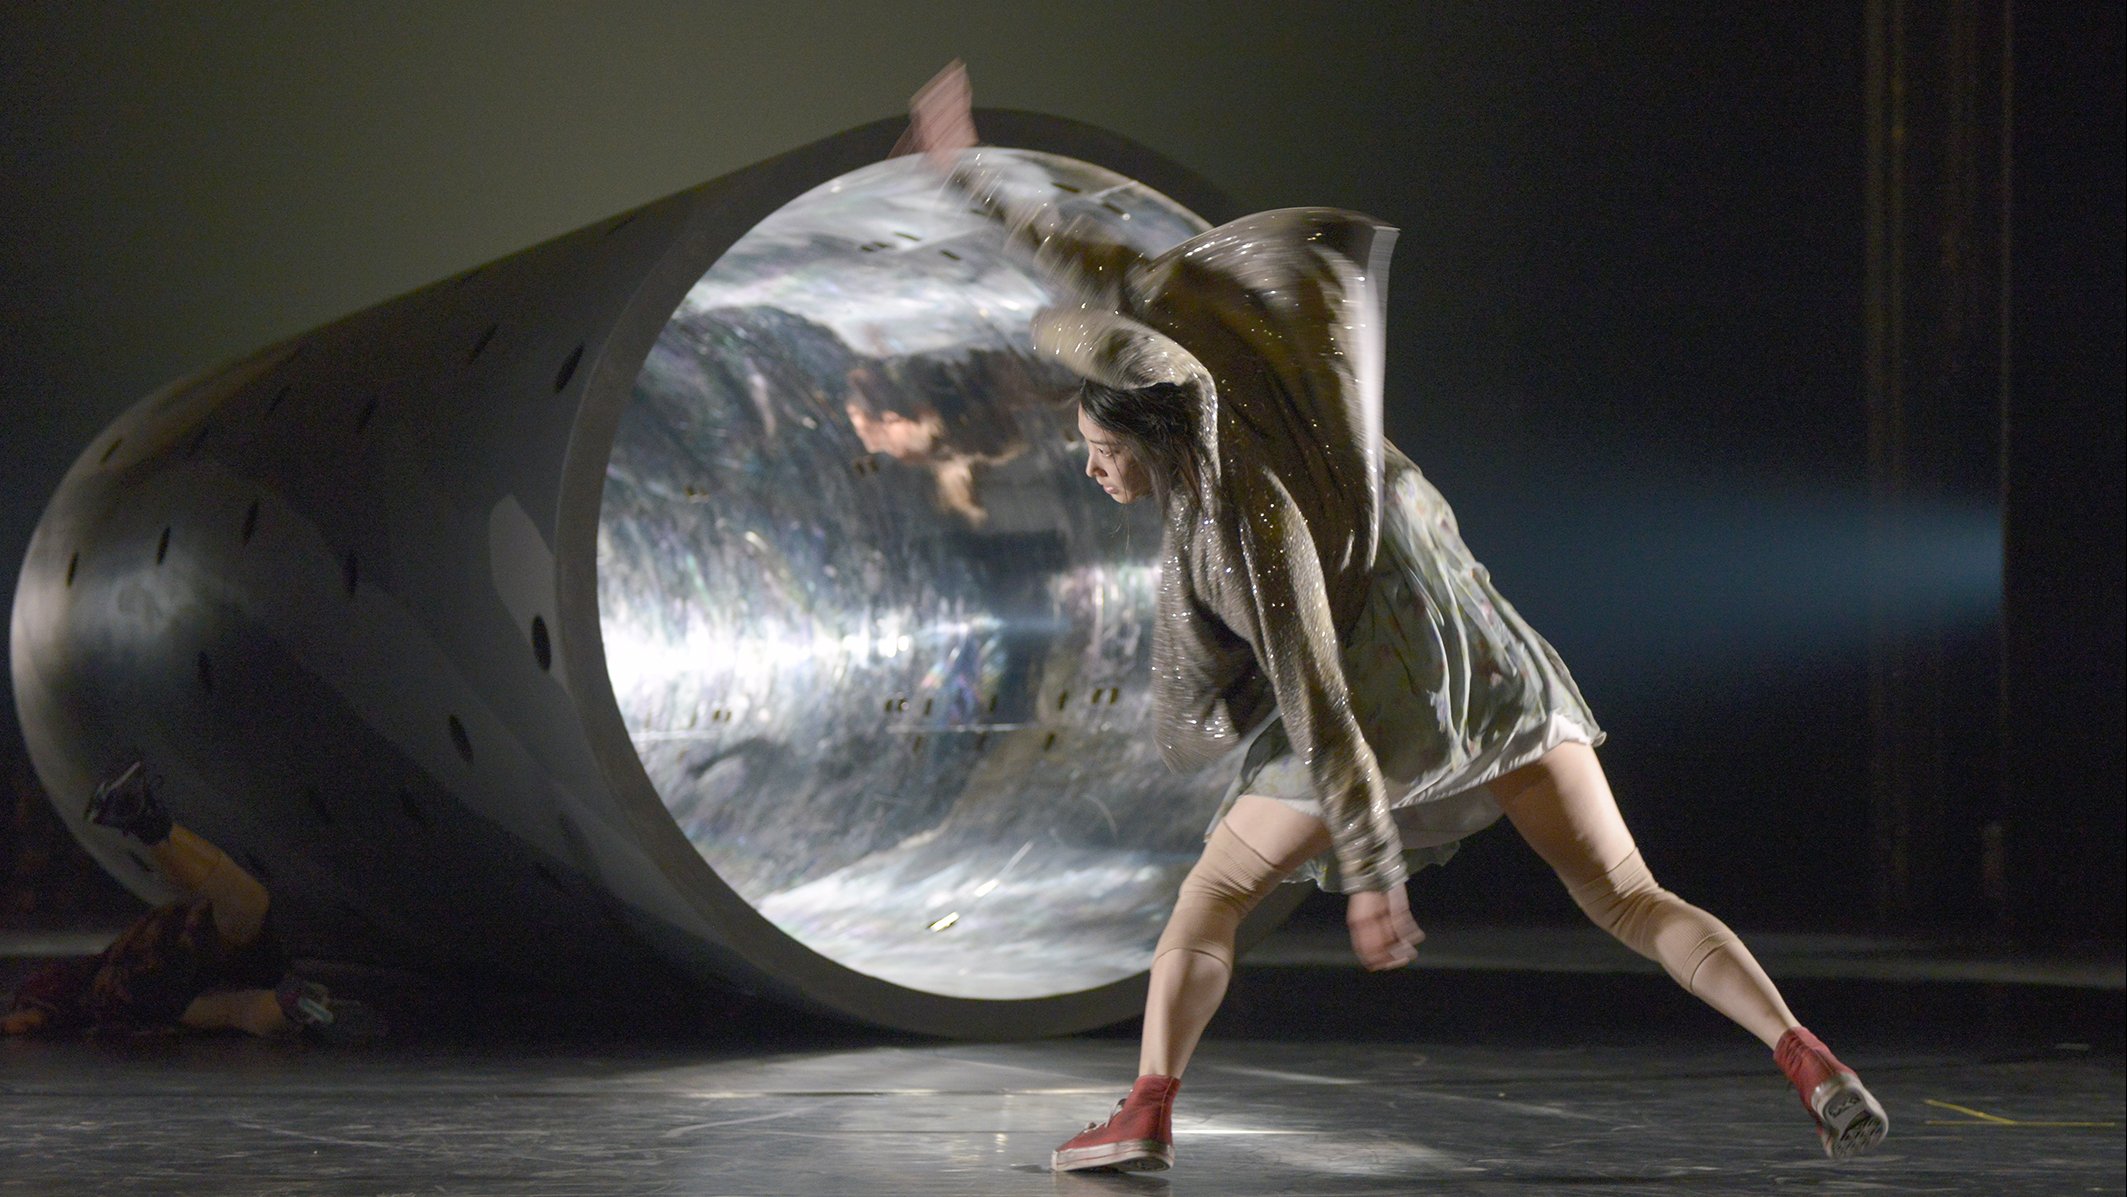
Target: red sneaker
1138, 1137
1849, 1119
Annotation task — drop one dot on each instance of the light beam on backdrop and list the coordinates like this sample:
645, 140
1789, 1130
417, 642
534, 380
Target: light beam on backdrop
1703, 588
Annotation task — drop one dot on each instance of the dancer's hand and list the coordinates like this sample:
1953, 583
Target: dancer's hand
1384, 934
941, 118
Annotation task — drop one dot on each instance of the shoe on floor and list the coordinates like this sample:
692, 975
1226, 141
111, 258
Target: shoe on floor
323, 1018
1138, 1137
1849, 1118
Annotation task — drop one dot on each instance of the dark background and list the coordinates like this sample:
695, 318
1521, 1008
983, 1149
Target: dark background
1630, 339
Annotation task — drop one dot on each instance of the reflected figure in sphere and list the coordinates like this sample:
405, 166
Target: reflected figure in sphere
1318, 605
915, 410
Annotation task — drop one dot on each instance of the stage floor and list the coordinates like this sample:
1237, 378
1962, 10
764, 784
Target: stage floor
1560, 1076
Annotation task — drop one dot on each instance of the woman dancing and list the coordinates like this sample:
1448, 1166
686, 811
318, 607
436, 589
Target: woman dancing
1317, 601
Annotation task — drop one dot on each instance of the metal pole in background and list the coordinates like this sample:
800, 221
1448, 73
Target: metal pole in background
1935, 326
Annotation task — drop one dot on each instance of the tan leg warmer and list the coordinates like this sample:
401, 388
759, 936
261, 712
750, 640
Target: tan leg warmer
1254, 847
1563, 807
1692, 946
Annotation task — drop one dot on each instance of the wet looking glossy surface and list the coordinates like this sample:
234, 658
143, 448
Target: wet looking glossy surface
1314, 1082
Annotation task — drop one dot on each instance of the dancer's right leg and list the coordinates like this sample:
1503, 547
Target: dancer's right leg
1255, 847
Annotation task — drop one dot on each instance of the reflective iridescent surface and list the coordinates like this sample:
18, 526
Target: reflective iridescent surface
881, 648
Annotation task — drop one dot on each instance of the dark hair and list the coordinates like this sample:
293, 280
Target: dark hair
1156, 424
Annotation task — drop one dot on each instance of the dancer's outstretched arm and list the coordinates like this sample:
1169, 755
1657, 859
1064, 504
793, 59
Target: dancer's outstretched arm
1073, 253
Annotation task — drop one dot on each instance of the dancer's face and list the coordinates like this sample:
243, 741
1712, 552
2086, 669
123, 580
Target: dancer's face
1110, 464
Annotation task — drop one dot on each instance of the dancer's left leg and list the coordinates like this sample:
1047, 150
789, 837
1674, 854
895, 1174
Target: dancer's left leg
1563, 807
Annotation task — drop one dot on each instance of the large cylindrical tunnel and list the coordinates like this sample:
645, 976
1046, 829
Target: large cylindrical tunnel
708, 594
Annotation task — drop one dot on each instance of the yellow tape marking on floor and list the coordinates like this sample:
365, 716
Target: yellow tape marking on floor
1982, 1118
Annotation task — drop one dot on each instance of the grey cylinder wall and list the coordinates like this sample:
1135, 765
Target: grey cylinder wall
342, 596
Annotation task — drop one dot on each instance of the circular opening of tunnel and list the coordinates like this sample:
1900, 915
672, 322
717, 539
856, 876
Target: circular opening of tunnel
880, 648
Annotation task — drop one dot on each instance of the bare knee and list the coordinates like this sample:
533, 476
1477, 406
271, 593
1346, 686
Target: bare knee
1565, 768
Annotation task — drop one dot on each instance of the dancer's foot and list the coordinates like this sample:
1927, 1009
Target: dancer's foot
1138, 1137
1849, 1118
317, 1015
127, 802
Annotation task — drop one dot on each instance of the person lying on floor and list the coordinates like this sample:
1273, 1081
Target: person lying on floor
207, 961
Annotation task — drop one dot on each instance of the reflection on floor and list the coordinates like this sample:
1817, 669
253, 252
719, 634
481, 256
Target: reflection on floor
1316, 1080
